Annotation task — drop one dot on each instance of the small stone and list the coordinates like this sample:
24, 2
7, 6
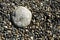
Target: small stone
31, 37
54, 35
21, 16
58, 0
41, 4
5, 26
12, 4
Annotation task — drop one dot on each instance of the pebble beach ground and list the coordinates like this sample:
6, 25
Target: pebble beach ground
45, 23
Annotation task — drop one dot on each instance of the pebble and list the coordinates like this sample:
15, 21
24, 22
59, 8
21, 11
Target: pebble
31, 37
58, 0
41, 4
5, 26
21, 16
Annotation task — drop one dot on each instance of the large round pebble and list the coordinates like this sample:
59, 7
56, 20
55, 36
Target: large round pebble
22, 16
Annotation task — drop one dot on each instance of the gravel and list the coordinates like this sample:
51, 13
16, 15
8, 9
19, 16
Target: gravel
45, 23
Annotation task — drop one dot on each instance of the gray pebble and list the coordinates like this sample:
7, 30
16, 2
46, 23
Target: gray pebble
58, 0
22, 16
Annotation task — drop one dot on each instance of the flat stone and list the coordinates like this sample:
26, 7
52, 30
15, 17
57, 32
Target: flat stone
21, 16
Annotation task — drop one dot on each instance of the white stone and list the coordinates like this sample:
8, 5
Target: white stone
31, 37
22, 16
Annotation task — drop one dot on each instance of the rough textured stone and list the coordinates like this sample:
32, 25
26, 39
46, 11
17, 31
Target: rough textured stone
22, 16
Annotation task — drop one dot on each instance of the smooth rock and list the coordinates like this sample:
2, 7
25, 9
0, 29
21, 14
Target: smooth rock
21, 16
